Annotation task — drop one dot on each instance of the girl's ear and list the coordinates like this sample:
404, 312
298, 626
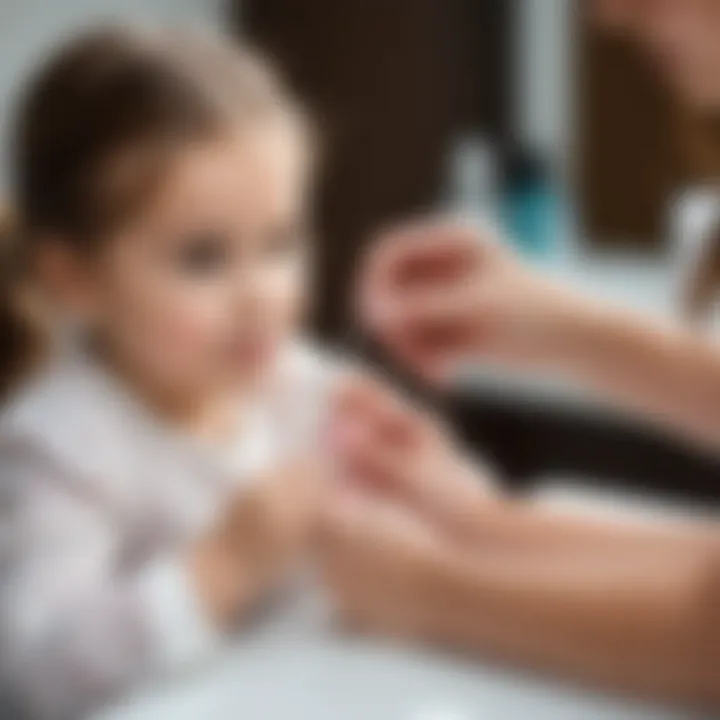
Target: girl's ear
67, 282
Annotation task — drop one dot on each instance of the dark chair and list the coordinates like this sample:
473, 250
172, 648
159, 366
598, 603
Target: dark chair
530, 438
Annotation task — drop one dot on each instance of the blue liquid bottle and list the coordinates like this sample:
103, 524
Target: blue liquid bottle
530, 204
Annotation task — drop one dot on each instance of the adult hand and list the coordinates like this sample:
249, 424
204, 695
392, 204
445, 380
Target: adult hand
438, 293
389, 448
383, 566
396, 526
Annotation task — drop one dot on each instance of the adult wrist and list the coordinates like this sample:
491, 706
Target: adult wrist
571, 321
448, 588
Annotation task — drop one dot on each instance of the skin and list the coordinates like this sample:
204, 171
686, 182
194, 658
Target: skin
192, 300
629, 607
407, 548
679, 38
626, 606
474, 299
197, 295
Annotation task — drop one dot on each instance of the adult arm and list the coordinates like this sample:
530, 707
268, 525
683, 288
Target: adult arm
437, 295
417, 547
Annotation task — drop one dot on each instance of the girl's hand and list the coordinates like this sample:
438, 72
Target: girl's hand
265, 531
386, 447
436, 294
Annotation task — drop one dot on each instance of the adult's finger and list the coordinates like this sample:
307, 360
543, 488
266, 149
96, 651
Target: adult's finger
385, 468
357, 520
351, 525
423, 242
411, 256
433, 307
370, 403
429, 329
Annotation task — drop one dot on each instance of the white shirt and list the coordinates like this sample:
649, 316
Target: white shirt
100, 503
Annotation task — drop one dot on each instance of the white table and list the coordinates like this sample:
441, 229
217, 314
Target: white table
298, 668
335, 679
301, 670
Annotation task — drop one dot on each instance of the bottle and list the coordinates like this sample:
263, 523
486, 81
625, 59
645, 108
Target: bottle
530, 205
473, 180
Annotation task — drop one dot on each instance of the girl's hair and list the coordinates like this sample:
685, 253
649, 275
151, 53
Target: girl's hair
93, 133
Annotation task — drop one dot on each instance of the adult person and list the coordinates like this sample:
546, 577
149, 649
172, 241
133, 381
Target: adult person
418, 548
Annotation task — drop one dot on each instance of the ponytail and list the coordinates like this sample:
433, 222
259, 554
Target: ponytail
19, 342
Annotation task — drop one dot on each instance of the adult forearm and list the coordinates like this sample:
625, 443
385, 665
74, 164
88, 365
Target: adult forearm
638, 625
510, 524
669, 375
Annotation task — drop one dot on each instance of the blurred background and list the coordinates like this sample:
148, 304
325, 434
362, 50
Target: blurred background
516, 109
521, 111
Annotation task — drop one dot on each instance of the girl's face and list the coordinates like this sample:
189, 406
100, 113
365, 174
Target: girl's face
202, 290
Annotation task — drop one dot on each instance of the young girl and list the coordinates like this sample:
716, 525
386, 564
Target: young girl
156, 465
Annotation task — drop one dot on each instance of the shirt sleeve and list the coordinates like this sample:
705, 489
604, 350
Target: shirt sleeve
78, 630
178, 629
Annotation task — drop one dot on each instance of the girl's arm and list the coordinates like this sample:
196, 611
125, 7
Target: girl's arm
86, 617
82, 622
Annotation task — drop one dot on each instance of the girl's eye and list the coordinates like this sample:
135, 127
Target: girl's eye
204, 254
